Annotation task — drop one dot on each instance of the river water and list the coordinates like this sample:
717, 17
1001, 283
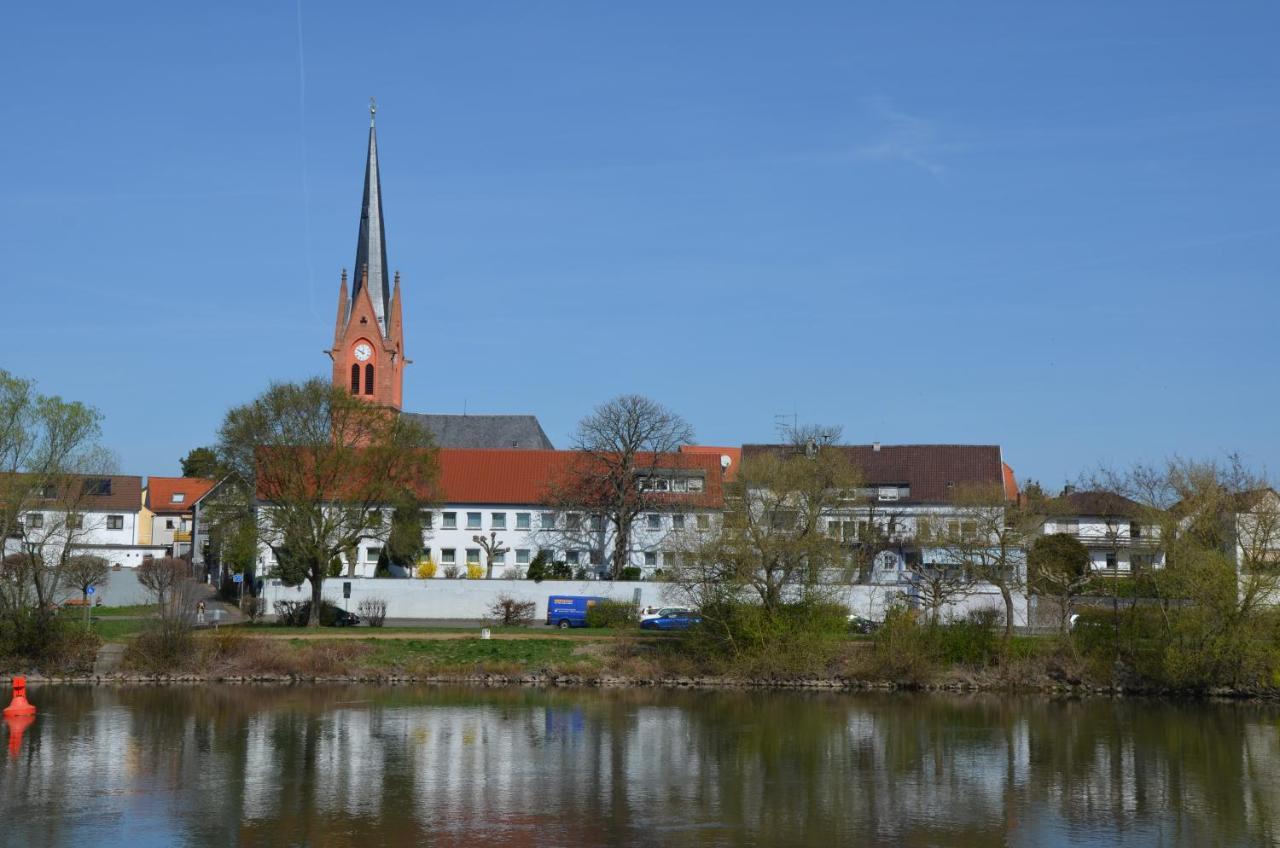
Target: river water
356, 766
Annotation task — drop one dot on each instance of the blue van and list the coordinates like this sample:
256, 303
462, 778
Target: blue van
570, 610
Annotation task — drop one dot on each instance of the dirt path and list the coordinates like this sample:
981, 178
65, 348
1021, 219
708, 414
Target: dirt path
433, 636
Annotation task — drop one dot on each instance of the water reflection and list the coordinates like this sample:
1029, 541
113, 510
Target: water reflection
348, 766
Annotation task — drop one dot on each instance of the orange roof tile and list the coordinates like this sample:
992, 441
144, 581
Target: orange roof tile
734, 456
162, 490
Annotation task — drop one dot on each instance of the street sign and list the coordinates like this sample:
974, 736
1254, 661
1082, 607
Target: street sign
237, 578
346, 588
90, 591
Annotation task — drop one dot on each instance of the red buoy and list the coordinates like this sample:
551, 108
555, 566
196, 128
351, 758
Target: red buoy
19, 706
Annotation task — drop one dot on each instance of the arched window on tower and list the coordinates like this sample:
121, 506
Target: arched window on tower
355, 379
368, 379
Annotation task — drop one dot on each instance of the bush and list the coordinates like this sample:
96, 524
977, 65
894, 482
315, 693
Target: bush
451, 572
631, 572
426, 569
512, 574
797, 639
475, 571
254, 608
52, 646
911, 653
164, 646
372, 610
507, 610
615, 614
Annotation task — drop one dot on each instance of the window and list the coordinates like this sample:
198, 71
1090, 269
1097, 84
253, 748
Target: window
473, 556
449, 520
1068, 526
355, 379
35, 520
704, 522
597, 523
596, 557
115, 522
372, 554
473, 521
374, 518
1135, 530
498, 521
48, 492
499, 558
75, 522
97, 486
522, 556
677, 521
654, 521
650, 558
1111, 562
448, 556
548, 520
887, 493
670, 559
573, 522
571, 557
524, 521
168, 524
695, 484
428, 518
177, 497
368, 379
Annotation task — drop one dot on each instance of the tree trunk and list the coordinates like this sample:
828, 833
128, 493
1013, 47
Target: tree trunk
620, 545
1008, 612
84, 593
317, 593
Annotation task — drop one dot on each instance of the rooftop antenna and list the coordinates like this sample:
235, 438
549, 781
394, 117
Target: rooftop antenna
373, 110
786, 430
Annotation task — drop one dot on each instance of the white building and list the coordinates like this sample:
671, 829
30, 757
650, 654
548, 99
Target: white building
1118, 532
504, 501
96, 515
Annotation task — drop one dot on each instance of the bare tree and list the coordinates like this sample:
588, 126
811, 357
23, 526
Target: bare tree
621, 446
492, 549
987, 536
938, 584
321, 465
85, 573
162, 576
772, 545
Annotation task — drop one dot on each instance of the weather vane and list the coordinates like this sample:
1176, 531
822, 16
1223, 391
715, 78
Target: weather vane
373, 109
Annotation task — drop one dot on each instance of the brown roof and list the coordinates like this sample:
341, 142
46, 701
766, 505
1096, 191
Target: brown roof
934, 473
98, 493
1096, 503
160, 492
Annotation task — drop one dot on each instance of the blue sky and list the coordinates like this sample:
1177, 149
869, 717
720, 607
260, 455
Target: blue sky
1055, 229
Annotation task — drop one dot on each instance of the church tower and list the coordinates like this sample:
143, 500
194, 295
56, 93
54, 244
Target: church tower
368, 338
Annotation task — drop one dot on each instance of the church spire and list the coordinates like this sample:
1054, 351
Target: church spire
371, 244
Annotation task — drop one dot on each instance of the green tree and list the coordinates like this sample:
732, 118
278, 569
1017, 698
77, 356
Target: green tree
319, 465
1058, 568
47, 447
404, 541
201, 462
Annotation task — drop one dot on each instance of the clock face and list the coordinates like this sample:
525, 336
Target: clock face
363, 351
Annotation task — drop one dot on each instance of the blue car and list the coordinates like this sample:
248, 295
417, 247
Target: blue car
673, 620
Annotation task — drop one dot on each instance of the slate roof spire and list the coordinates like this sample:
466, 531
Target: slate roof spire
371, 243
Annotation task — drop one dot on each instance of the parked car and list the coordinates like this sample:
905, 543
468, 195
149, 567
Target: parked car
658, 612
565, 611
672, 620
297, 613
858, 624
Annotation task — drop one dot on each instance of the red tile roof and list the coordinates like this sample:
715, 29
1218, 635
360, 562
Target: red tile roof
160, 492
527, 477
734, 455
1010, 483
934, 473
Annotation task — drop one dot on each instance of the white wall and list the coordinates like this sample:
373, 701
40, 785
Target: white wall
464, 599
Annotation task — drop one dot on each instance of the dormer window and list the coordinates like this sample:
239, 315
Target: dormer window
97, 486
177, 497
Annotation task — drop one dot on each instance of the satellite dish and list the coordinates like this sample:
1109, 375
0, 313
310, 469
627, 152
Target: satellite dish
725, 461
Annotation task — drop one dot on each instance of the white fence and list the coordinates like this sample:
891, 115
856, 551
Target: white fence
473, 599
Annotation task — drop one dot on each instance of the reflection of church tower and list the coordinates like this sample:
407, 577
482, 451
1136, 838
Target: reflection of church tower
368, 340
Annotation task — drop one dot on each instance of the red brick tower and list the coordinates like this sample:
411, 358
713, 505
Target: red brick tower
368, 338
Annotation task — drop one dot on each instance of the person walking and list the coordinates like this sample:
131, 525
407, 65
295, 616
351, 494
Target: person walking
200, 613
